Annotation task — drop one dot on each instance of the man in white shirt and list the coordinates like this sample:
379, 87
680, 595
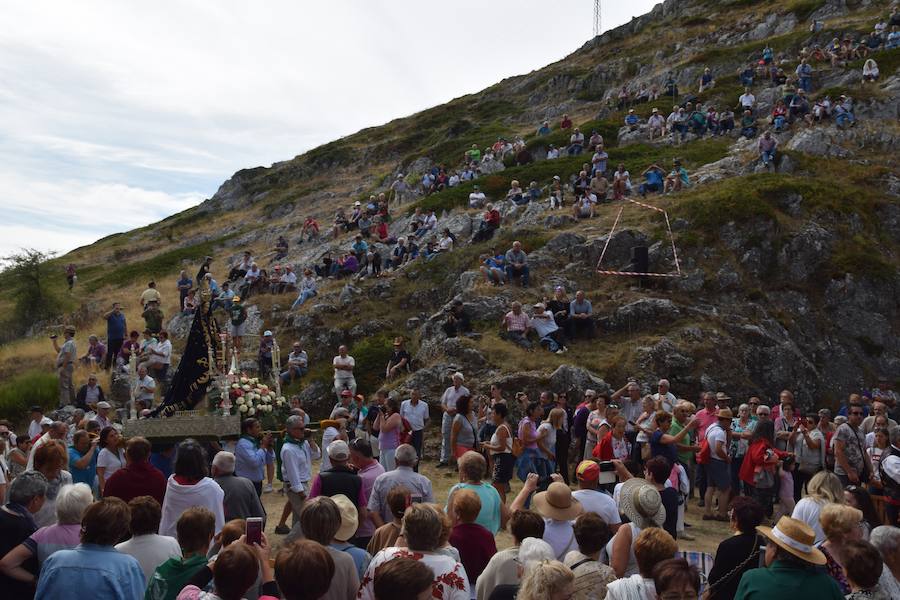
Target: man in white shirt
428, 224
161, 355
747, 100
343, 365
288, 281
58, 431
657, 124
476, 198
663, 398
416, 414
37, 418
145, 388
548, 331
591, 498
448, 406
297, 455
150, 549
718, 475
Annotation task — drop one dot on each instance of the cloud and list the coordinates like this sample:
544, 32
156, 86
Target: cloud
128, 110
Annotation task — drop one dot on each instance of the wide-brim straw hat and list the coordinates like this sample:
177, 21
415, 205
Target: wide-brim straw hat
557, 503
641, 503
795, 537
349, 518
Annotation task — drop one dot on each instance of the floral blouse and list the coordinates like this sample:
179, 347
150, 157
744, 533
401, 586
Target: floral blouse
836, 571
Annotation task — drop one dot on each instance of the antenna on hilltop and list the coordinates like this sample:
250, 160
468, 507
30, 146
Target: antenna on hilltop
596, 18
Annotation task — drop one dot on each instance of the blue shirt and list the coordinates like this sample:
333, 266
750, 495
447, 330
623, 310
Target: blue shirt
360, 557
576, 308
489, 516
631, 120
654, 177
250, 462
164, 464
115, 326
87, 474
100, 572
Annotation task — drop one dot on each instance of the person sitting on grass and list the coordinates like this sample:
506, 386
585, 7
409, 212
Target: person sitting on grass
653, 180
583, 208
516, 323
195, 530
516, 264
549, 333
748, 125
492, 267
766, 147
698, 122
677, 178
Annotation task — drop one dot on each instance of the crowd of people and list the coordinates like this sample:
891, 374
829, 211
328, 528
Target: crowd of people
132, 519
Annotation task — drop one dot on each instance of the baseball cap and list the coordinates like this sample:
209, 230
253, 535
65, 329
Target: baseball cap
338, 450
587, 470
266, 333
46, 421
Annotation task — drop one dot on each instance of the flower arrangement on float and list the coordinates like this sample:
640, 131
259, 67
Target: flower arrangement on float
251, 398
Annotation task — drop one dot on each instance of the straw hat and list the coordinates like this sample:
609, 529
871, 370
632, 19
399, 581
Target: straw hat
557, 503
724, 413
349, 518
795, 537
641, 503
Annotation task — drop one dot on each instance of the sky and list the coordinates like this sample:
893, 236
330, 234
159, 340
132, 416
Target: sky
114, 115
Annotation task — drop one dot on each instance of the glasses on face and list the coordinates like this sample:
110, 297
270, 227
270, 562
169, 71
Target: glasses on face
762, 414
754, 404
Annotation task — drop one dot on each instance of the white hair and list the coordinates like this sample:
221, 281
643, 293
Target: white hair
71, 502
405, 455
534, 550
459, 375
886, 539
224, 462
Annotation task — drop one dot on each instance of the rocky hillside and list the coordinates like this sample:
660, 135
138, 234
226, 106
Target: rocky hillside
790, 278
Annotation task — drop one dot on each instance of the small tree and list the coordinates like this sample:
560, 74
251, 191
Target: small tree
26, 276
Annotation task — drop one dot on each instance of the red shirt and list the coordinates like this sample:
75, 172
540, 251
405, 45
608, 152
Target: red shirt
756, 456
492, 217
604, 450
476, 546
136, 479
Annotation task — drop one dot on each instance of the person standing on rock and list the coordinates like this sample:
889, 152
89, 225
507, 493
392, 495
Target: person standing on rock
65, 365
448, 407
399, 187
153, 316
238, 315
343, 365
115, 333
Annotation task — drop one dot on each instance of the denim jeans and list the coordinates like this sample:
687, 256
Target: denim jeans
512, 272
767, 156
303, 297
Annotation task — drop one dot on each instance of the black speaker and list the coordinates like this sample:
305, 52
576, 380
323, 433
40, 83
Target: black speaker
640, 259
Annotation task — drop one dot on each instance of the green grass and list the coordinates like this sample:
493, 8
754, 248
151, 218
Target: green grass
161, 264
862, 257
20, 392
803, 8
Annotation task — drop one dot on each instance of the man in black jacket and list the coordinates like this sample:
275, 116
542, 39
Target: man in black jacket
458, 322
89, 394
340, 478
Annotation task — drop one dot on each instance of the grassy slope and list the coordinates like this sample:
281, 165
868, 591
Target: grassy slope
444, 132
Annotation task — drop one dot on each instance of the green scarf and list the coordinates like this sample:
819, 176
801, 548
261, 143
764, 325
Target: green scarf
253, 440
290, 440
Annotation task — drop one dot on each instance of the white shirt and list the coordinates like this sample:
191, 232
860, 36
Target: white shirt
429, 222
165, 347
340, 361
416, 414
34, 428
451, 395
668, 401
560, 536
715, 434
807, 510
328, 436
476, 198
891, 466
150, 550
446, 244
747, 99
110, 461
543, 323
599, 503
296, 465
289, 277
635, 587
179, 498
147, 382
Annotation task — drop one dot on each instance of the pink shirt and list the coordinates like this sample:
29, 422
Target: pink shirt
368, 475
516, 322
526, 430
705, 418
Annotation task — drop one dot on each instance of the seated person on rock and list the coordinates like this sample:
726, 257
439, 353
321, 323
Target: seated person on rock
489, 224
458, 320
677, 178
549, 333
517, 264
492, 267
653, 180
580, 317
516, 324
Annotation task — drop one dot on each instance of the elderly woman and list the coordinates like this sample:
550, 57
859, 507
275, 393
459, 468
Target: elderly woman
741, 429
740, 552
71, 502
94, 565
422, 531
644, 424
651, 547
640, 501
547, 580
887, 540
841, 524
190, 486
824, 488
50, 460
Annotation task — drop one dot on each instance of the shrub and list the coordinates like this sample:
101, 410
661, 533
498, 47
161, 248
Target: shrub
20, 392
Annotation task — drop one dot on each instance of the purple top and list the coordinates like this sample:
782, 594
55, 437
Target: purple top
47, 540
368, 475
526, 430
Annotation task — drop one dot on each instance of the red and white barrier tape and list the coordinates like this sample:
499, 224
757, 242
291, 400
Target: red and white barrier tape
629, 273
